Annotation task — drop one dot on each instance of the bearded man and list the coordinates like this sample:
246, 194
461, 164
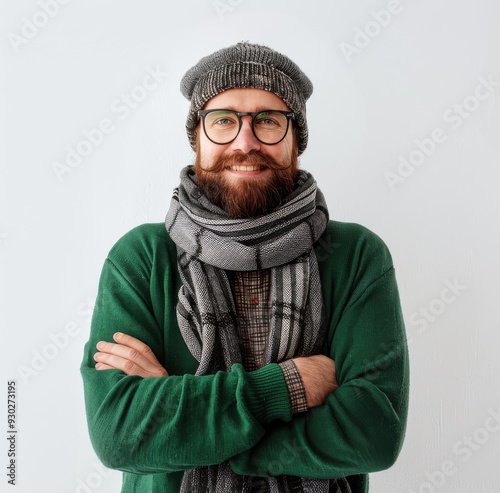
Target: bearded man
249, 344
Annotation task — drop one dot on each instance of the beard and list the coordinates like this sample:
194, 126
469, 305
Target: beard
244, 198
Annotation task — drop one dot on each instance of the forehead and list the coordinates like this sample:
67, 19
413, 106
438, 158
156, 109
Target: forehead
246, 100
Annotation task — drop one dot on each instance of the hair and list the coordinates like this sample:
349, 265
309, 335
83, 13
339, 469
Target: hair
245, 199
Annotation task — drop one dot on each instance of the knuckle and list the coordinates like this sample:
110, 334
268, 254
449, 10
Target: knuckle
128, 366
159, 372
133, 353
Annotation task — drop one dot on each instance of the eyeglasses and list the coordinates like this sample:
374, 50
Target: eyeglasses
223, 126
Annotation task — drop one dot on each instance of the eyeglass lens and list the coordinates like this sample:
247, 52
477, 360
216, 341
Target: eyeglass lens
222, 126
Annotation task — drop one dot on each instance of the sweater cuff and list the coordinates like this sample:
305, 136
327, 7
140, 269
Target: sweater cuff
296, 389
268, 396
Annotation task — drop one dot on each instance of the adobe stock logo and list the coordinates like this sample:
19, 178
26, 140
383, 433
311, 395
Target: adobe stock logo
223, 6
94, 137
31, 27
363, 37
455, 115
41, 357
464, 449
426, 315
94, 479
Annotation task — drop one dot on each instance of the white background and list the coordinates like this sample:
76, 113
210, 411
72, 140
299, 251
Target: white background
440, 221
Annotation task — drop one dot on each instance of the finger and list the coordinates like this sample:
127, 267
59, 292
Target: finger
125, 365
128, 360
137, 363
143, 349
102, 366
136, 344
127, 352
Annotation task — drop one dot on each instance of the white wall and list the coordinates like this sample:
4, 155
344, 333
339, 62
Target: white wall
440, 219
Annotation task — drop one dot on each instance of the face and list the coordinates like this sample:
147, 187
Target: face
246, 178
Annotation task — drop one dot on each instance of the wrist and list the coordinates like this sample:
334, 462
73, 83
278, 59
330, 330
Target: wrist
295, 385
267, 394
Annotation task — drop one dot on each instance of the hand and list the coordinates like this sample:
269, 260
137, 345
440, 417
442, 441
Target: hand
129, 355
318, 376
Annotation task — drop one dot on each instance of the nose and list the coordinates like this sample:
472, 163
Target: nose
246, 140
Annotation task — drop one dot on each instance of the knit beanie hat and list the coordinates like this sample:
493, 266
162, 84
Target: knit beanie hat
246, 65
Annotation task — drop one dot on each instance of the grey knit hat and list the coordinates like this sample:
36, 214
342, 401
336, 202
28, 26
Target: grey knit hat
246, 65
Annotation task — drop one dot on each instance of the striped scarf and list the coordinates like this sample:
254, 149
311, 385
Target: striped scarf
209, 244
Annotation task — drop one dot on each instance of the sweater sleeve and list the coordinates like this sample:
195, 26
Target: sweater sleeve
361, 426
171, 423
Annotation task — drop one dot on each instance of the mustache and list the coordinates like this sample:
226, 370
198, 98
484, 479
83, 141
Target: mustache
256, 158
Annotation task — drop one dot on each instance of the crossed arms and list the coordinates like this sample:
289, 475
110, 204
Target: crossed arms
149, 414
133, 357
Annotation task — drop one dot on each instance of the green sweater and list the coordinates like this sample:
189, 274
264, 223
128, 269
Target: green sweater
153, 429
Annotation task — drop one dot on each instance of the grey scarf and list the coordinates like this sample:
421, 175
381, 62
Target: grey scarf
209, 243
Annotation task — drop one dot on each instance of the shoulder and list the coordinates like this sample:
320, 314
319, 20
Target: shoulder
149, 233
143, 247
356, 238
143, 238
350, 248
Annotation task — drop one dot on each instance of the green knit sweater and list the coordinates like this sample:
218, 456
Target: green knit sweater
155, 428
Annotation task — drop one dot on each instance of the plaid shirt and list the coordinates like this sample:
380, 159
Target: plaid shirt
251, 294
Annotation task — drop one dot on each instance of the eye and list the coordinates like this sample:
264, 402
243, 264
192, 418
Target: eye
221, 119
269, 119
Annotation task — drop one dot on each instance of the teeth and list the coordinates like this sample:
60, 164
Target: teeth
245, 168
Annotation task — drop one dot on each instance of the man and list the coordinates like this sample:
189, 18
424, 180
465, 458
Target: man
250, 344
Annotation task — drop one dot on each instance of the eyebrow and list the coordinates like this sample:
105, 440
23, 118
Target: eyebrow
232, 108
225, 108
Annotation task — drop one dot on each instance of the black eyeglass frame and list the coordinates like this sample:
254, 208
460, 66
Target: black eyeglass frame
289, 115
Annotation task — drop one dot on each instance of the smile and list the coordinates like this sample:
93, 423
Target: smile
254, 167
